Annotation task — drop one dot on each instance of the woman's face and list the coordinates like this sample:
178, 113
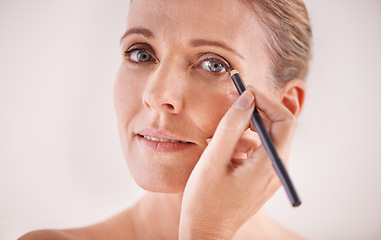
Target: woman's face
171, 88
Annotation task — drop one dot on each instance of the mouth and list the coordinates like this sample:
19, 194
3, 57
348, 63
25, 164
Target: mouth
161, 141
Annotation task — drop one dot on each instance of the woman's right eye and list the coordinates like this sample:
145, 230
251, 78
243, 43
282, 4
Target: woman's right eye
139, 55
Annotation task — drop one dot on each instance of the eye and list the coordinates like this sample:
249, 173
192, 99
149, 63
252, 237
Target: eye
139, 55
214, 66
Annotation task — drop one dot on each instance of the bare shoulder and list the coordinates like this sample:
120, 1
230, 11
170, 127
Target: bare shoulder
117, 227
93, 232
283, 233
263, 227
49, 234
274, 230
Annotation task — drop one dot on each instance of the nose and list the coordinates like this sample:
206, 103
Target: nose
163, 90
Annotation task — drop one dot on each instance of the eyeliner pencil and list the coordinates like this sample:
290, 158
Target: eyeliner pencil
269, 145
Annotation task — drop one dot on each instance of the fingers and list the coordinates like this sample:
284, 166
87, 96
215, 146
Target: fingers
279, 121
283, 122
248, 142
228, 136
231, 128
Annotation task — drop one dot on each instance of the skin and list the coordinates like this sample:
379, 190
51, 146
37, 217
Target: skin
215, 186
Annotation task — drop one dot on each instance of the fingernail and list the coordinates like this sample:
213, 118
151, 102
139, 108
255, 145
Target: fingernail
244, 101
208, 140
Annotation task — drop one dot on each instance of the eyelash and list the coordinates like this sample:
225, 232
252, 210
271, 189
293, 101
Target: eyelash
223, 62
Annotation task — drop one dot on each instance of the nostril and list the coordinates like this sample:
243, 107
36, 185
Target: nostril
169, 106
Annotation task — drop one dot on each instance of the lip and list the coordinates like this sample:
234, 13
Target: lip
149, 140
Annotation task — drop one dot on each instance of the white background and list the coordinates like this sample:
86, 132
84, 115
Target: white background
60, 161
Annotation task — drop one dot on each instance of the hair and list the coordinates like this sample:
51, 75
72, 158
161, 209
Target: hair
288, 37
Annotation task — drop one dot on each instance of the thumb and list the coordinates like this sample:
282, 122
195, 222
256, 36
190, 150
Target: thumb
231, 127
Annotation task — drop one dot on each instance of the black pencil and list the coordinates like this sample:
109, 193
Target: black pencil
269, 145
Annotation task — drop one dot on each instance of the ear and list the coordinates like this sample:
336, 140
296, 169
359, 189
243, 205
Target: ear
292, 96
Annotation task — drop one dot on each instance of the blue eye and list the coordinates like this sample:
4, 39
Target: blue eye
213, 66
140, 55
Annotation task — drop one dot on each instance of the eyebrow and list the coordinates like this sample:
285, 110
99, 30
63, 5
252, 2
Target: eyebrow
204, 42
138, 30
194, 43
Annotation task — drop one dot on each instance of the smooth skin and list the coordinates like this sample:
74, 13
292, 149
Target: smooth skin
215, 187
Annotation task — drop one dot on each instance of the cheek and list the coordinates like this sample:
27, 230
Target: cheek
210, 105
127, 96
127, 103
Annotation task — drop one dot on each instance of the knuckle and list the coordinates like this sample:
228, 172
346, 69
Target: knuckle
290, 120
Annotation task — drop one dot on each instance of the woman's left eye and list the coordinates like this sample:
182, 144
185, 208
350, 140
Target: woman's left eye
213, 66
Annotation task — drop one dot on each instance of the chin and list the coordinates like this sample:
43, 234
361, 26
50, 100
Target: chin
160, 177
161, 183
161, 172
162, 188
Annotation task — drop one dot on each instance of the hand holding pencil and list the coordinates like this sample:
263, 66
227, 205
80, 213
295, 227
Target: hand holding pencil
269, 145
229, 192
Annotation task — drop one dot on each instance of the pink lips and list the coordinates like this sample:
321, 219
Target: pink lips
161, 141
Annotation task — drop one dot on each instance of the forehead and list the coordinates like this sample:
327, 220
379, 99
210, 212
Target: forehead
226, 19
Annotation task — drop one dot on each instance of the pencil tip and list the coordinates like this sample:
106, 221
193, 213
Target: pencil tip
233, 72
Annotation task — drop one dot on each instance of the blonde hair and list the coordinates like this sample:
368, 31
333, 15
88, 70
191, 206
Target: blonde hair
288, 37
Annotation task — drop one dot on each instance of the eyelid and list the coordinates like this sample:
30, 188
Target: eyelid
140, 47
136, 49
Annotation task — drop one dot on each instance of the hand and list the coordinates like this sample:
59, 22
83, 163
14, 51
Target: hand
222, 193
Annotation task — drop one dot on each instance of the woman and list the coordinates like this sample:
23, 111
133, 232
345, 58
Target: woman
185, 131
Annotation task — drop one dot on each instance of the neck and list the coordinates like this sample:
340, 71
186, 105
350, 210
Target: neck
157, 215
